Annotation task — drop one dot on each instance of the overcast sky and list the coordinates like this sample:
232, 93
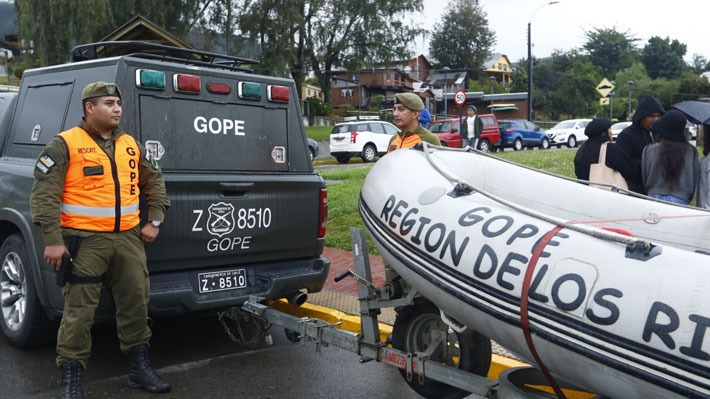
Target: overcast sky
561, 26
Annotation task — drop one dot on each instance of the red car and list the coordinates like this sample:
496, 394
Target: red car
448, 132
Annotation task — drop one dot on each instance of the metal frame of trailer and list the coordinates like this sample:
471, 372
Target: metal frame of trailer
510, 384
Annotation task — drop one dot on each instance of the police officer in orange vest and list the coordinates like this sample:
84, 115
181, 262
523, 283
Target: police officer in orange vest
407, 107
86, 197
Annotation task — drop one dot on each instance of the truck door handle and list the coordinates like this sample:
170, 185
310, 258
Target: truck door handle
235, 189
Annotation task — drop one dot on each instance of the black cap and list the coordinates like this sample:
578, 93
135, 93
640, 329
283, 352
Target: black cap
597, 127
671, 126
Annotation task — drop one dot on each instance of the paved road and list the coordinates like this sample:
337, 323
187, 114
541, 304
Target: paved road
201, 362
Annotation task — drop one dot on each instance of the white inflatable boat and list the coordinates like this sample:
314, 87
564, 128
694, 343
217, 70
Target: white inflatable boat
607, 291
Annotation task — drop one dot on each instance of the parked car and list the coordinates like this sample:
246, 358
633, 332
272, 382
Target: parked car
519, 133
313, 148
448, 132
569, 132
617, 128
364, 139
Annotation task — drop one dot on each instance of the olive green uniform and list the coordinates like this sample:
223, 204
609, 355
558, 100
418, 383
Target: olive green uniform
117, 256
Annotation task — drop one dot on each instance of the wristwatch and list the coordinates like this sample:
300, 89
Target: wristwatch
156, 223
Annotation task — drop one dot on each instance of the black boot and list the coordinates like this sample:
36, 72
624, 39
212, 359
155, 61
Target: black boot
142, 376
72, 387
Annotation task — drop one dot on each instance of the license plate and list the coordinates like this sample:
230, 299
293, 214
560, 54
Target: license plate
222, 280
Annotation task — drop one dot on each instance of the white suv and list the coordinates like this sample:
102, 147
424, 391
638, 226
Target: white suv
365, 138
570, 132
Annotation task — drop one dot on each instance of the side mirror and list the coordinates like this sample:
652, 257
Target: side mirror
455, 130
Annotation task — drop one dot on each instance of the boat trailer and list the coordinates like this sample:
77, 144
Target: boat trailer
416, 367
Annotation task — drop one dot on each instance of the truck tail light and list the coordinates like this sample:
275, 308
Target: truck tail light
149, 79
353, 137
323, 212
278, 93
218, 88
186, 83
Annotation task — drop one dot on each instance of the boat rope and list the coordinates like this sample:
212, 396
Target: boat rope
524, 322
579, 227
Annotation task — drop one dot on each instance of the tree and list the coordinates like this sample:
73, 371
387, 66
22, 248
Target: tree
51, 27
353, 33
610, 50
565, 83
663, 58
462, 40
324, 34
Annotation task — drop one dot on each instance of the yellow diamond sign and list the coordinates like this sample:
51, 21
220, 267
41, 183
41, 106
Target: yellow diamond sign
605, 87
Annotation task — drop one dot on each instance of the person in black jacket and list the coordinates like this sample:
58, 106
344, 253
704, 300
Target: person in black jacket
636, 137
598, 132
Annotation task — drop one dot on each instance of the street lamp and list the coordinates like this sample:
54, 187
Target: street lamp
446, 80
530, 68
493, 82
629, 84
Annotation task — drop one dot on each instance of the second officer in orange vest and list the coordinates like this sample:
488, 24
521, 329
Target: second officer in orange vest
407, 107
85, 198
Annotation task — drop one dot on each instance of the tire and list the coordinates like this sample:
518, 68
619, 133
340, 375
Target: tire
368, 153
342, 159
571, 142
21, 327
313, 154
484, 145
545, 144
518, 145
469, 352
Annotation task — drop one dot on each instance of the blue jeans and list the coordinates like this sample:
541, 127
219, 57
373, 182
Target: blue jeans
669, 198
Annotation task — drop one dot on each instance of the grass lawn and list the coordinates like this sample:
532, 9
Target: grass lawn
319, 133
344, 189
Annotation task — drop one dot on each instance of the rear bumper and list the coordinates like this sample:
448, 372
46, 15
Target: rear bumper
174, 294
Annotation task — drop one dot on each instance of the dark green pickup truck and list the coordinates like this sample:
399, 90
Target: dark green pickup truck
248, 211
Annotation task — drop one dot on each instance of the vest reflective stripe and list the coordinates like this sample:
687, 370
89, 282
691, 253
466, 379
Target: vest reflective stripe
97, 211
100, 194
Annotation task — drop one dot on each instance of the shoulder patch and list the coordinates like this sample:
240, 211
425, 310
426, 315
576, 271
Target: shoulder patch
45, 163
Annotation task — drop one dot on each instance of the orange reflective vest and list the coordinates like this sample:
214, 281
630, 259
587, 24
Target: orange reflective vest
100, 194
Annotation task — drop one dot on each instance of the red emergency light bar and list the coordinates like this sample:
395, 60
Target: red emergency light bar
278, 93
186, 83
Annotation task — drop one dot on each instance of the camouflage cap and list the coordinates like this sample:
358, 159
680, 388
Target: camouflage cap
409, 100
100, 89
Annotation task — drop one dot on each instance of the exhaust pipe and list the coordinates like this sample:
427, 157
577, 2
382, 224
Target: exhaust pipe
297, 298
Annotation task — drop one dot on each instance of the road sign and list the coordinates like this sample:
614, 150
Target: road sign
604, 101
460, 97
605, 87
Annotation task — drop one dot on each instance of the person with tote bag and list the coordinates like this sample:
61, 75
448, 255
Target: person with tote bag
598, 160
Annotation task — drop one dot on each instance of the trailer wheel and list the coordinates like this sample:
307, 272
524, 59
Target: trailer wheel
417, 326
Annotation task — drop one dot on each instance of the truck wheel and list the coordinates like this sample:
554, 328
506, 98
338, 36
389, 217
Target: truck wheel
369, 153
418, 326
518, 145
484, 145
342, 159
24, 321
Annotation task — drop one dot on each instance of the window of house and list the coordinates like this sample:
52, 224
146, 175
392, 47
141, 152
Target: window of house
345, 93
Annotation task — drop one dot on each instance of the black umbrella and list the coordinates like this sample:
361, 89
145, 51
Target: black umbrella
696, 111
